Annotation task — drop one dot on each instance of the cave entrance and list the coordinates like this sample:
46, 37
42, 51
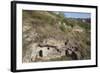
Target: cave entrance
41, 53
66, 52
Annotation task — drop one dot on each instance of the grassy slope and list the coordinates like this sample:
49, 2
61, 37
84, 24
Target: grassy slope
49, 24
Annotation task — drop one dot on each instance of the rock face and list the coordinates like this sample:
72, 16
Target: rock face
49, 36
46, 50
53, 49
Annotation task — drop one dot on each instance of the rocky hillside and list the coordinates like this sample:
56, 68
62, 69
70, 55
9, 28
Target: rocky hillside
40, 26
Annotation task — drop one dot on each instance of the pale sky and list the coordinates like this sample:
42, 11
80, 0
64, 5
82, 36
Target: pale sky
77, 15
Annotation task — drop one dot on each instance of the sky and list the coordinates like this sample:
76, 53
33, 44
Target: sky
77, 15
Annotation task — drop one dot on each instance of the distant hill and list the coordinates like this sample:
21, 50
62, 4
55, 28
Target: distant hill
85, 20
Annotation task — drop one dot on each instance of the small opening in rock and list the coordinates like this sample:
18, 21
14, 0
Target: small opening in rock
41, 53
74, 56
65, 43
66, 52
48, 48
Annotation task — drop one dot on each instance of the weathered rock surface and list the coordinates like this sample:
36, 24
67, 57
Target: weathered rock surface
50, 37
